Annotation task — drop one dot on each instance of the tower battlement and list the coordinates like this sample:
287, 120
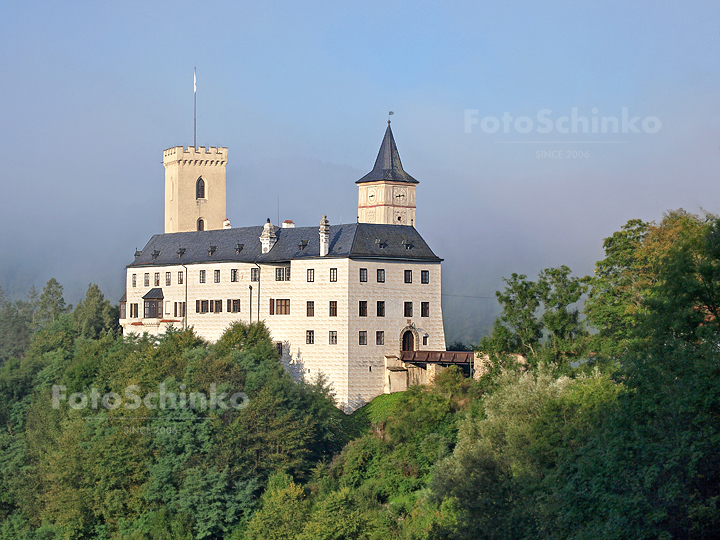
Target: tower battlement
199, 155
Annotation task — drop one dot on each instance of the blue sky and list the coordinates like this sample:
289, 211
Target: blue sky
94, 91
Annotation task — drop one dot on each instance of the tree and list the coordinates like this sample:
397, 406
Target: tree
520, 300
618, 288
557, 292
94, 314
283, 511
529, 308
51, 304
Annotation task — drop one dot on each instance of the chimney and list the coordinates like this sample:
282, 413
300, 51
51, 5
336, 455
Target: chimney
288, 224
268, 238
324, 236
226, 223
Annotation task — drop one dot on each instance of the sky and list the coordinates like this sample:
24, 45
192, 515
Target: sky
93, 92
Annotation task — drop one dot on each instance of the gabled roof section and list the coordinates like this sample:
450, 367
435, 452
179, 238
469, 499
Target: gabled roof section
351, 240
388, 165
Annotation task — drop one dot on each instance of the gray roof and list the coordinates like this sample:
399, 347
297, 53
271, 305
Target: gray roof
353, 240
154, 294
388, 165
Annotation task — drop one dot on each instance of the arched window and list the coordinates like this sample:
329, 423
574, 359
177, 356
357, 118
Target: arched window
201, 224
200, 189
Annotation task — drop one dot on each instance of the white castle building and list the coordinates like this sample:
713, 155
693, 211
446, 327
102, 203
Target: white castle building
347, 300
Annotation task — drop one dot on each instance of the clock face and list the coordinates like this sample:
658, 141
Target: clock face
371, 195
400, 195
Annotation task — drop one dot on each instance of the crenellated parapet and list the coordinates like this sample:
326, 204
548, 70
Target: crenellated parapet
210, 156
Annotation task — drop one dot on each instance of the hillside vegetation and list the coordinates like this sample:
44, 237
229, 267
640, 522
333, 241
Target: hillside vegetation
610, 429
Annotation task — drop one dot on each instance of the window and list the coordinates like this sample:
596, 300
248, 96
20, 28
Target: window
310, 308
202, 276
333, 308
362, 338
233, 275
333, 274
279, 274
310, 275
216, 276
146, 280
425, 309
157, 279
279, 347
153, 309
381, 308
233, 305
201, 306
254, 274
408, 309
218, 306
379, 337
363, 274
425, 277
362, 309
310, 337
180, 278
134, 280
333, 337
282, 273
168, 278
122, 310
425, 339
200, 189
200, 224
381, 275
282, 307
408, 276
134, 311
179, 309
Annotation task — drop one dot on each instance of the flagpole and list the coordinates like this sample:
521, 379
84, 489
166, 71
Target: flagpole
195, 107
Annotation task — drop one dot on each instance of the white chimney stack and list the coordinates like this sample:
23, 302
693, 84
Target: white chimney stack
324, 236
268, 238
288, 224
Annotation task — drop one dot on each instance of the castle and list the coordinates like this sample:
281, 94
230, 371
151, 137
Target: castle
345, 300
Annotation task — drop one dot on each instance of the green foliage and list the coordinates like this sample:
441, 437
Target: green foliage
282, 513
530, 309
51, 304
94, 314
617, 291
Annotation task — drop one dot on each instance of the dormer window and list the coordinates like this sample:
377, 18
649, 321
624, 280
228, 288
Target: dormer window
200, 189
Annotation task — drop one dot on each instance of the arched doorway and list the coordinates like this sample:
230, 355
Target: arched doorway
408, 341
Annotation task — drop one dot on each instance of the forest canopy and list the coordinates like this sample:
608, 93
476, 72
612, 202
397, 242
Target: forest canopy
608, 428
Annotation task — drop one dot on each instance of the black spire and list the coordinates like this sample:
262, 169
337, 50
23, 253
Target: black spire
388, 165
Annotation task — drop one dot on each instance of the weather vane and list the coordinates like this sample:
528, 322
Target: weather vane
389, 115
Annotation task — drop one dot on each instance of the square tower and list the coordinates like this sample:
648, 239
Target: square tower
194, 188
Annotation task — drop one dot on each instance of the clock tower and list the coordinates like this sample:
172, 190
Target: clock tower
387, 193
